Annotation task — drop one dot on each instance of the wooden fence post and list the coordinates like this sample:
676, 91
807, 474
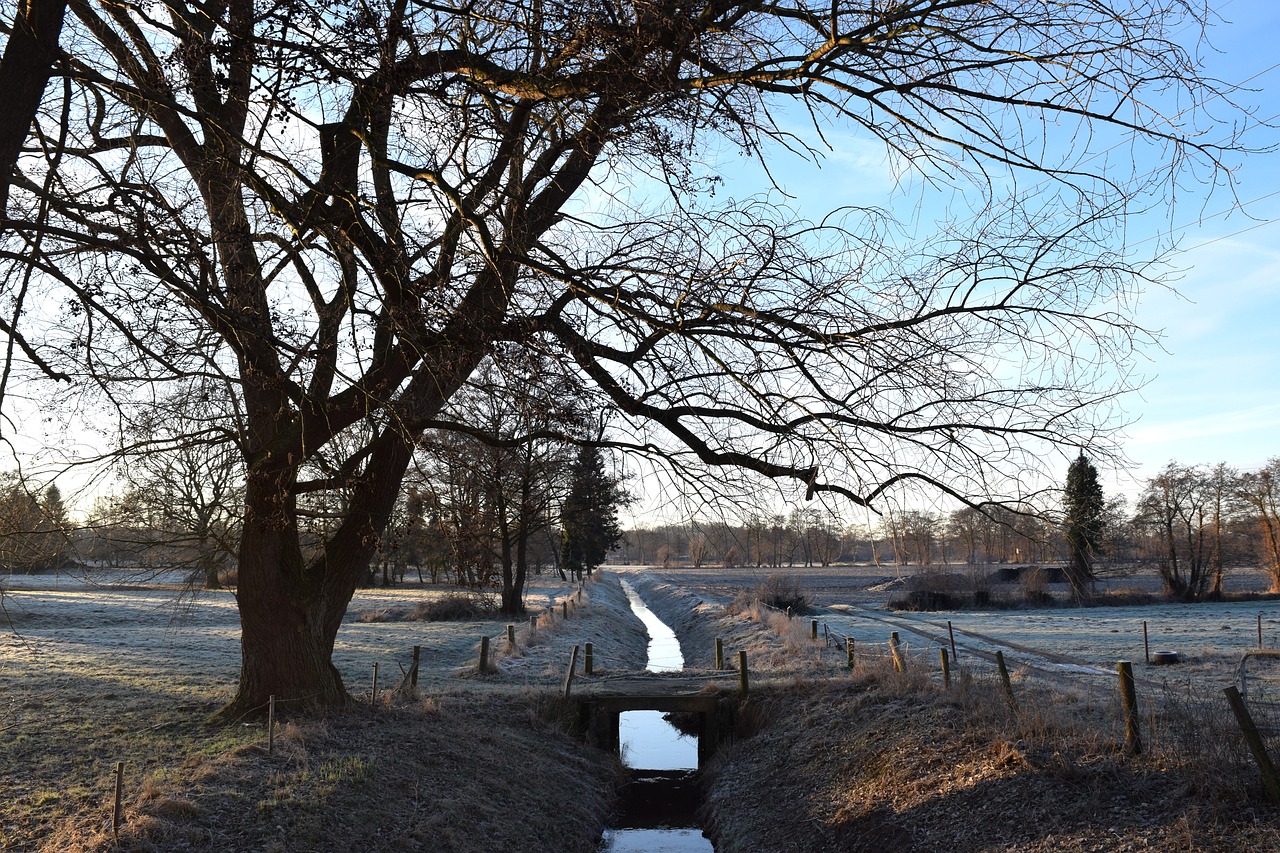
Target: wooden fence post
511, 638
898, 664
952, 633
1146, 644
1129, 703
848, 650
946, 669
568, 676
813, 630
1270, 780
588, 660
1008, 682
484, 655
271, 724
564, 608
413, 667
117, 813
742, 673
719, 654
373, 693
1259, 630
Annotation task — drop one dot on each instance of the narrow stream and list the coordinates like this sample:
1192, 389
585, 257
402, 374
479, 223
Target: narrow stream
660, 802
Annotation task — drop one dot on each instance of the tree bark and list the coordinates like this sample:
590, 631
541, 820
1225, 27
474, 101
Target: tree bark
287, 630
291, 609
24, 73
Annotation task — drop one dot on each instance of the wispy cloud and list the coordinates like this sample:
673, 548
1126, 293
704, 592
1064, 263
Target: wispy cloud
1216, 424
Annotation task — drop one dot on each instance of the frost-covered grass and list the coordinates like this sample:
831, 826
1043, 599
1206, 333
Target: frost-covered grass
1084, 642
129, 666
1211, 638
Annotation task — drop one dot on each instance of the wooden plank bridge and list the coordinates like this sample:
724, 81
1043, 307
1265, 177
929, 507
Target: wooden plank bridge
712, 714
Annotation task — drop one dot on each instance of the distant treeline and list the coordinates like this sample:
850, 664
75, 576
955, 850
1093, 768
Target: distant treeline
1191, 523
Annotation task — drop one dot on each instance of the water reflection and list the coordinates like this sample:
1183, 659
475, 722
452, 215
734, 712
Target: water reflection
664, 647
651, 743
660, 801
654, 841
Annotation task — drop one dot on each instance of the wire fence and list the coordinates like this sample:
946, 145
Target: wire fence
1174, 714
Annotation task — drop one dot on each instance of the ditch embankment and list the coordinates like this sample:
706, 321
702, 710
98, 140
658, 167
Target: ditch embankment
872, 759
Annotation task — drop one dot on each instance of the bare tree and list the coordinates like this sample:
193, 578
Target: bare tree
1224, 486
964, 526
1176, 509
512, 431
184, 475
342, 209
699, 549
1260, 491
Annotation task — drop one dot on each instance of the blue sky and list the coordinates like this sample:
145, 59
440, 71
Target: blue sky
1214, 392
1212, 389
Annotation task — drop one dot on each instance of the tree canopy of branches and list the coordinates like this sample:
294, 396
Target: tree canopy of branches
337, 211
193, 494
1260, 492
1176, 506
496, 474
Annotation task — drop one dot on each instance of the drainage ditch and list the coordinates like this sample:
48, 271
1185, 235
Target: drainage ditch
660, 802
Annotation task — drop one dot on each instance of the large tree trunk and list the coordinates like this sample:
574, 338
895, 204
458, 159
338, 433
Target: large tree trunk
287, 631
290, 609
287, 626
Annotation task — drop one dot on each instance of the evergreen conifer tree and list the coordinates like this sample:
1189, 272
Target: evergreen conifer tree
1083, 508
589, 519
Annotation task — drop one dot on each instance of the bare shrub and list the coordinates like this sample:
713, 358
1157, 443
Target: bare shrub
782, 592
930, 589
1035, 582
776, 591
454, 607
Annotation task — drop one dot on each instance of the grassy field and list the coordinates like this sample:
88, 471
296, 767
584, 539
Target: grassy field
117, 667
1081, 643
874, 760
121, 668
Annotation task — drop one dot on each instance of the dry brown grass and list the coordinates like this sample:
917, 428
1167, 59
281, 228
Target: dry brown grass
446, 775
876, 760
